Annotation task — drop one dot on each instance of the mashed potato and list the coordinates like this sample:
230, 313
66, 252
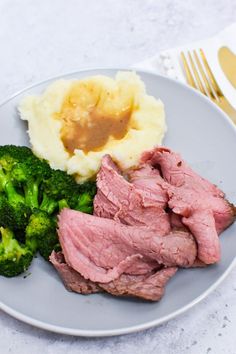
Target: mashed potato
75, 122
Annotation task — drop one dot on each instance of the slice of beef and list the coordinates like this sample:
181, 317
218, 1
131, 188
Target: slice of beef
197, 208
188, 198
104, 207
150, 286
120, 200
101, 249
224, 213
202, 204
177, 173
148, 181
202, 225
72, 280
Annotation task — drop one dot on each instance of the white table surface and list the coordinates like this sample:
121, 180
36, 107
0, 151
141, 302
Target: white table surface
41, 39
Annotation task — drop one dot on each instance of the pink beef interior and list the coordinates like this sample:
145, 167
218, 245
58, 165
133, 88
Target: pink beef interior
102, 249
122, 201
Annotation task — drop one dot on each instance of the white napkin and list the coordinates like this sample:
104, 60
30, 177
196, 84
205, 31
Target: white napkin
168, 62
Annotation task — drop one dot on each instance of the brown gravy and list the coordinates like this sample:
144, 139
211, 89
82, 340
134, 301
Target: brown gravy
90, 132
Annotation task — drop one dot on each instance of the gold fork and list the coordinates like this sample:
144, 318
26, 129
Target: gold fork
200, 77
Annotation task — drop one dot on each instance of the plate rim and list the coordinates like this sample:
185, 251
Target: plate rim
131, 329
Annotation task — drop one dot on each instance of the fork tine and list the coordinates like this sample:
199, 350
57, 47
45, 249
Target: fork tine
195, 72
188, 73
210, 74
208, 88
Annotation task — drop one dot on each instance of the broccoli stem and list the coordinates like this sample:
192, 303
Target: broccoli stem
85, 209
84, 200
13, 196
31, 195
6, 184
3, 179
85, 204
6, 236
32, 244
48, 204
62, 204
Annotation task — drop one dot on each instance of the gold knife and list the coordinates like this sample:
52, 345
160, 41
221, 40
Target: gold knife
227, 61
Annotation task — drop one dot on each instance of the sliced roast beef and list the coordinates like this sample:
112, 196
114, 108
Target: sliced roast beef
176, 171
149, 286
72, 280
101, 249
205, 210
198, 210
148, 181
122, 201
224, 213
104, 207
141, 230
202, 225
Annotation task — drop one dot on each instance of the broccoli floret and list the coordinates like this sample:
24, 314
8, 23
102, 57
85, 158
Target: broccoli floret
13, 211
48, 204
14, 203
48, 244
41, 233
58, 191
29, 175
31, 194
60, 185
10, 155
85, 203
83, 198
7, 185
15, 216
69, 194
87, 187
6, 218
14, 257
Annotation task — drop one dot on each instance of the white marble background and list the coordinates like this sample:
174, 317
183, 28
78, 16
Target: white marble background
40, 39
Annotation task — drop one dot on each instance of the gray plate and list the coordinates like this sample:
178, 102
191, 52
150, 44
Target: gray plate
206, 139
